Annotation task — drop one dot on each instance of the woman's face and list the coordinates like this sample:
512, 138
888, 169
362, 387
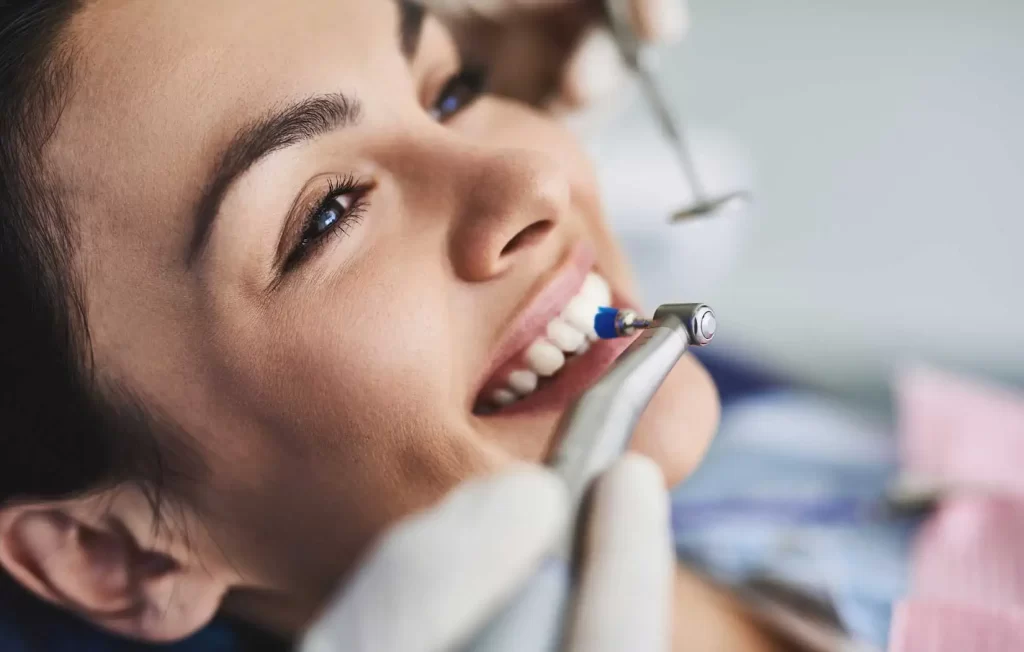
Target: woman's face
308, 242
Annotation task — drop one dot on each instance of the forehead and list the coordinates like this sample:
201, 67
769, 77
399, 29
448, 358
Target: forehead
137, 50
161, 85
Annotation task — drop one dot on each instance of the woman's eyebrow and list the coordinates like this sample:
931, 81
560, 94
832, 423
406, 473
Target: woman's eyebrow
283, 128
290, 126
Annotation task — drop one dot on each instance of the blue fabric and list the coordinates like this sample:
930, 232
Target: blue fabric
786, 491
738, 379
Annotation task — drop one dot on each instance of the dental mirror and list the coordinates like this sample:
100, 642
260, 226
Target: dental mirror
641, 62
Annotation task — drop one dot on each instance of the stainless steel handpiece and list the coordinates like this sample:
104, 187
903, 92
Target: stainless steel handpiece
597, 429
593, 433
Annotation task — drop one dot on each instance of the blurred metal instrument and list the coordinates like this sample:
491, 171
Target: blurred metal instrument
639, 60
805, 619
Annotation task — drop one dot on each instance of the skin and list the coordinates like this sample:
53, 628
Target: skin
331, 400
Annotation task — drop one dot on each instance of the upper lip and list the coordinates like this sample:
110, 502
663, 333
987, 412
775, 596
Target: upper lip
546, 303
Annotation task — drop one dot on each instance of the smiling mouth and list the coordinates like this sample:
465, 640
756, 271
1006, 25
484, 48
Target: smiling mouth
558, 347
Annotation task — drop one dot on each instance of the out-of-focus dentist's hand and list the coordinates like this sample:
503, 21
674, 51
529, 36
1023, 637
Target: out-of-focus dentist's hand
438, 578
555, 53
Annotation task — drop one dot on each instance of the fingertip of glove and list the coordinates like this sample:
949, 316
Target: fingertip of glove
523, 498
661, 21
637, 476
534, 488
640, 465
595, 70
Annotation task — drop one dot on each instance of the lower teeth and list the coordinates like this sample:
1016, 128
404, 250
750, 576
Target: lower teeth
518, 385
568, 335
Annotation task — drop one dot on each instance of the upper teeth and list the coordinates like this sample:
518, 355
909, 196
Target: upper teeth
565, 337
571, 332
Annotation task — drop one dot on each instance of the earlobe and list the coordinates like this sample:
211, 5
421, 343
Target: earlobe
98, 570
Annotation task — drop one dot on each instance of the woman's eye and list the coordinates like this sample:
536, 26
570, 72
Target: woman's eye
342, 207
327, 217
331, 213
460, 91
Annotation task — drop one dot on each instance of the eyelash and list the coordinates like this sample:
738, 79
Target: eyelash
350, 216
471, 80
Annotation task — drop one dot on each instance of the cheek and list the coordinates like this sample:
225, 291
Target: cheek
365, 363
354, 418
368, 370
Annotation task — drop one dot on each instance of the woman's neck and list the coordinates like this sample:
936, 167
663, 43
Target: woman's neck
708, 619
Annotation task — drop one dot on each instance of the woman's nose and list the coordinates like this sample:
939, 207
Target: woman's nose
513, 210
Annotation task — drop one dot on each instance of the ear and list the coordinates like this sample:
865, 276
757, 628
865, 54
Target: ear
100, 560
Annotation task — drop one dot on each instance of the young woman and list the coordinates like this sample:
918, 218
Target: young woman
275, 275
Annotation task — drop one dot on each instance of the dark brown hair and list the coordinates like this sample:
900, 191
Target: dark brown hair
61, 432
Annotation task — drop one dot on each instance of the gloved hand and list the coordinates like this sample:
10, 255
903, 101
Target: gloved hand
438, 578
555, 53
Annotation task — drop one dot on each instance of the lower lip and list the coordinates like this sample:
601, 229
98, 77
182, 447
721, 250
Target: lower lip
578, 374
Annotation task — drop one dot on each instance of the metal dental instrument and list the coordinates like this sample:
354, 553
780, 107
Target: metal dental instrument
593, 433
639, 60
597, 429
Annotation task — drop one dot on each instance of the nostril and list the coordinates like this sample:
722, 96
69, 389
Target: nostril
528, 237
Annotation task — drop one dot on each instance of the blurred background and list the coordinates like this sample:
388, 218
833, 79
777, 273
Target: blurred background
885, 142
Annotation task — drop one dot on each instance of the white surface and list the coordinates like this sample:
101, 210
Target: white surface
888, 143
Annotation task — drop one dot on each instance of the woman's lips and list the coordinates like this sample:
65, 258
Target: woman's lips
544, 305
580, 372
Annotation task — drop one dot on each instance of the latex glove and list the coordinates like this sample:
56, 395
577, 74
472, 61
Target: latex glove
555, 53
436, 580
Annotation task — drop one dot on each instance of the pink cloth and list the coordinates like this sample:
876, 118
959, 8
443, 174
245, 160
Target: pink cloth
967, 584
961, 432
972, 551
924, 626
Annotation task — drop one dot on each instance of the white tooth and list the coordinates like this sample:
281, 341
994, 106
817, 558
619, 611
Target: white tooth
583, 348
544, 358
597, 290
580, 314
503, 397
564, 336
522, 381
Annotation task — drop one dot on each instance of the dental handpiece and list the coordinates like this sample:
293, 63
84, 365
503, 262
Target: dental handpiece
597, 429
594, 433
